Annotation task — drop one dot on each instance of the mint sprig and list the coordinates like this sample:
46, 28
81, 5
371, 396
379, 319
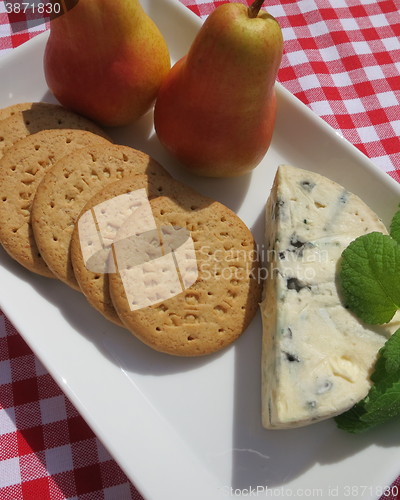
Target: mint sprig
370, 277
383, 400
370, 281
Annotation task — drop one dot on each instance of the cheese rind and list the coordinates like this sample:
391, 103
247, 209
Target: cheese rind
317, 357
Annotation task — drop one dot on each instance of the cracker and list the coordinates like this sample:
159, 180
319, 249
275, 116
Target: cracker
42, 116
93, 279
21, 170
65, 190
14, 108
203, 317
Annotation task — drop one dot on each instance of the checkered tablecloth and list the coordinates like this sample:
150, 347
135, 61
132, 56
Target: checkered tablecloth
342, 59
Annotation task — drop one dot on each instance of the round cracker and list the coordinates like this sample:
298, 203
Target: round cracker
93, 282
21, 170
203, 317
42, 116
65, 190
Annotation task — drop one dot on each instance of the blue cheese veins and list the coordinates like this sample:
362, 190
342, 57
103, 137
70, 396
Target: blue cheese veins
316, 355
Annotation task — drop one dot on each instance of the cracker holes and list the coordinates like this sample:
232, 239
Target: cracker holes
55, 238
67, 174
37, 147
1, 138
31, 171
125, 158
191, 318
107, 172
68, 140
13, 168
51, 204
4, 198
219, 309
192, 298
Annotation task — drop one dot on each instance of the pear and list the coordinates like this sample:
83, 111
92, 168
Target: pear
106, 60
215, 110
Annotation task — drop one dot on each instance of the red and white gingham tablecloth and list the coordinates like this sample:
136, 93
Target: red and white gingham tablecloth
342, 59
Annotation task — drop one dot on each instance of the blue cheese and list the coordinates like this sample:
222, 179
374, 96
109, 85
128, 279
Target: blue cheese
316, 355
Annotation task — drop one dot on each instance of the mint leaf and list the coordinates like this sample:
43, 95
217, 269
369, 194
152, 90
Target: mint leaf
369, 274
351, 421
383, 407
395, 227
387, 366
382, 403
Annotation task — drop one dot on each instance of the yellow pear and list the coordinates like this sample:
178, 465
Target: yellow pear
106, 60
216, 109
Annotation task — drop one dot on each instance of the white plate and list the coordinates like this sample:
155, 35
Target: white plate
190, 428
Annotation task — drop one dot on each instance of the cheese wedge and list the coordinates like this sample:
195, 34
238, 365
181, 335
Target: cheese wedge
316, 355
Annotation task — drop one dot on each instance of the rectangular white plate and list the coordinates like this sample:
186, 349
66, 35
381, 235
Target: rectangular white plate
190, 428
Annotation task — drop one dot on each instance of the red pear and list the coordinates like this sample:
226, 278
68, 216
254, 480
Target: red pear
216, 108
106, 60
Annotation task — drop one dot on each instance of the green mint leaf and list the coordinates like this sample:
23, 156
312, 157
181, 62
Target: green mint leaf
387, 366
383, 407
350, 421
369, 275
395, 227
382, 403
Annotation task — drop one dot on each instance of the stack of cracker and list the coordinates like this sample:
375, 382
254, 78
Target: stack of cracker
175, 268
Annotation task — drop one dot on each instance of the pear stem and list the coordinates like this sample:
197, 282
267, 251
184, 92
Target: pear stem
254, 8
